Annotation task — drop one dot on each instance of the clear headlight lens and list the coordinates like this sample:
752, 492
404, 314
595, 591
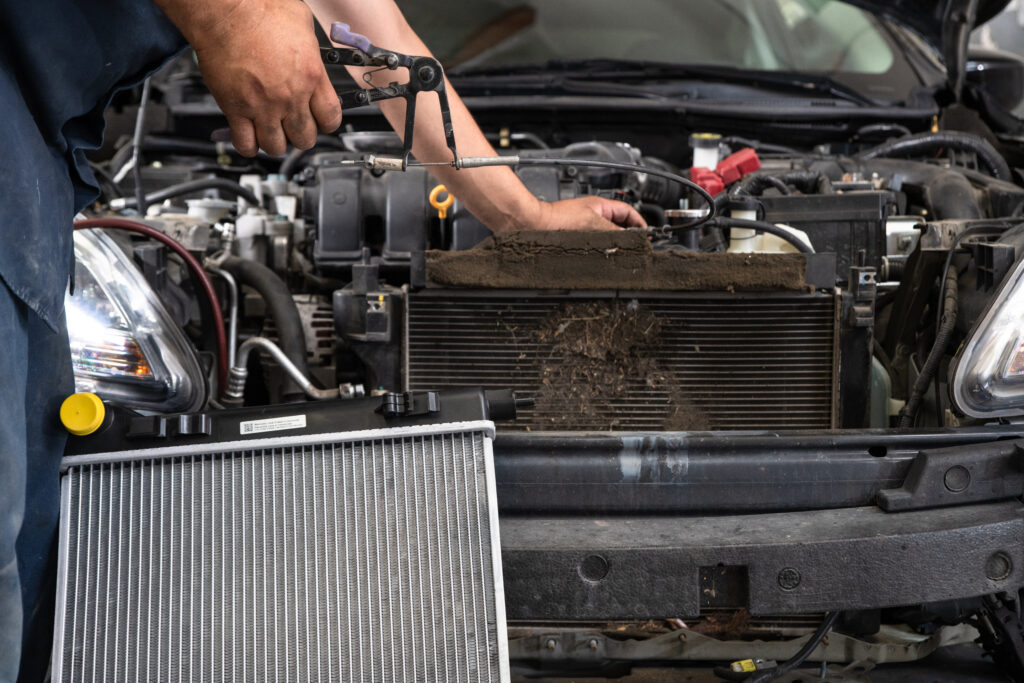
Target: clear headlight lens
988, 376
124, 345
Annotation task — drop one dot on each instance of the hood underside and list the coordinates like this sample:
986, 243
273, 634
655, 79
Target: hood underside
943, 24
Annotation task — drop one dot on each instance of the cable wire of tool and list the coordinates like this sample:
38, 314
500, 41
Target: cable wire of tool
477, 162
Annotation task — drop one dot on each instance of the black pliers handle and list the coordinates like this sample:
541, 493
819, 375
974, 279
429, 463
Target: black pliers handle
425, 75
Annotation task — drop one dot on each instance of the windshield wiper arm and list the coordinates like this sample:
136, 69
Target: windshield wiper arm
614, 69
566, 84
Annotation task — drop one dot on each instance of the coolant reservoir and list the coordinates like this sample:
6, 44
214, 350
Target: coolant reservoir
747, 241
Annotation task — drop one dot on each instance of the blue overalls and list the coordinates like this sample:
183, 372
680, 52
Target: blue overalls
60, 62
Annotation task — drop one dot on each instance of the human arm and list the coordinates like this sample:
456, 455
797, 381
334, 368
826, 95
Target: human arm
495, 195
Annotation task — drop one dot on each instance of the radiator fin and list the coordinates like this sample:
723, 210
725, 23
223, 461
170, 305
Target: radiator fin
736, 363
367, 560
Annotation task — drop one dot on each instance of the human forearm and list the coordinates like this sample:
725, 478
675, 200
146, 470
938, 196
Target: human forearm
495, 195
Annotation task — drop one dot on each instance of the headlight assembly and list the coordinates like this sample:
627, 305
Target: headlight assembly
124, 345
988, 376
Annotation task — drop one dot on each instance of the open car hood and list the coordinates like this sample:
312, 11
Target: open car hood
943, 24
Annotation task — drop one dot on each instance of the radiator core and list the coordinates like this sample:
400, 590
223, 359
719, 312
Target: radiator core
342, 557
699, 361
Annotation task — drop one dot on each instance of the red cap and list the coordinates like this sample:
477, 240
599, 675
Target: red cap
737, 165
707, 179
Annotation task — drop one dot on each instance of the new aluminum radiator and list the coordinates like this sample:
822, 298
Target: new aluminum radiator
369, 555
699, 361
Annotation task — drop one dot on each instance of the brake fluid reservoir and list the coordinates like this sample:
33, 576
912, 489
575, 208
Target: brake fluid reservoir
706, 149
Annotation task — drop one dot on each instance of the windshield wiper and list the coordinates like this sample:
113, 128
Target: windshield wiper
619, 70
511, 81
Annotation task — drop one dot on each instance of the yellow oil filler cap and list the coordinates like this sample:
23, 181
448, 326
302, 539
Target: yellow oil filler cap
82, 413
441, 206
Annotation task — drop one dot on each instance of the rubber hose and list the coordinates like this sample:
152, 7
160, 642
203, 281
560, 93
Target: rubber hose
655, 211
281, 308
882, 129
950, 305
180, 147
763, 147
219, 184
930, 142
808, 182
762, 226
291, 161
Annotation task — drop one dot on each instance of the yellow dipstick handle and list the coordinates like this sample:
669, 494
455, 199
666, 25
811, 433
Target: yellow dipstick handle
442, 207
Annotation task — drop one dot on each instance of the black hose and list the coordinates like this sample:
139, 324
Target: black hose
294, 157
946, 193
924, 143
108, 187
801, 656
181, 147
760, 226
779, 184
736, 141
636, 168
281, 308
654, 211
949, 309
882, 129
220, 184
808, 182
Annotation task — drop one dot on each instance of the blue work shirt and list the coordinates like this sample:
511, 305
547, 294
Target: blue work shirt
60, 63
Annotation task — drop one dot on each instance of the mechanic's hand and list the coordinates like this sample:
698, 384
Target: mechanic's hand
262, 64
588, 213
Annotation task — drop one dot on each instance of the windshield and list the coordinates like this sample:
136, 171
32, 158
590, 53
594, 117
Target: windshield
807, 36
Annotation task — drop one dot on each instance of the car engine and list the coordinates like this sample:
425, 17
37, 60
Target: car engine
380, 286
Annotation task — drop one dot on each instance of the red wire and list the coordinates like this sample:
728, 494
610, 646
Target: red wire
194, 266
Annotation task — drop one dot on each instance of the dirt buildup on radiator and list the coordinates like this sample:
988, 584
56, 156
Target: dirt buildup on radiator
603, 360
623, 259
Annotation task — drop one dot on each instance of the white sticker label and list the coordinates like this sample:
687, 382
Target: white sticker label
274, 424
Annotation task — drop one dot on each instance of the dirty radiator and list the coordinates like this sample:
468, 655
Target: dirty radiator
662, 362
340, 557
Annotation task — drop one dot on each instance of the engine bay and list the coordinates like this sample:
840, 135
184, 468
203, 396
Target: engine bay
384, 283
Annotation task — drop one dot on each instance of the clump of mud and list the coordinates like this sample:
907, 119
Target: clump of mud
604, 356
578, 260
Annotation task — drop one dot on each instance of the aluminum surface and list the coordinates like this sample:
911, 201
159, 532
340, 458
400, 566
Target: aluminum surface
369, 558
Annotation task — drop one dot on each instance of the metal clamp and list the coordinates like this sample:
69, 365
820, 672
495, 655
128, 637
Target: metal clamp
425, 75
